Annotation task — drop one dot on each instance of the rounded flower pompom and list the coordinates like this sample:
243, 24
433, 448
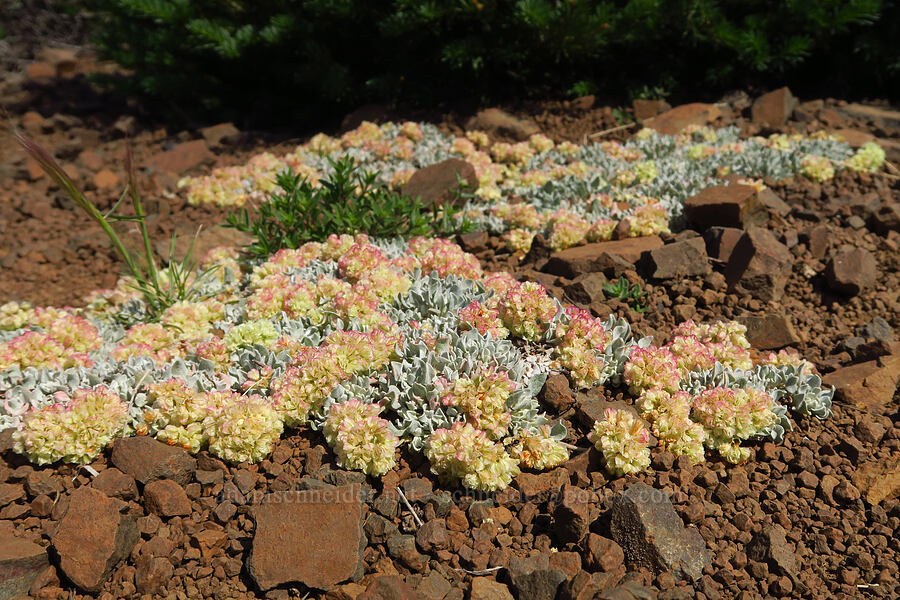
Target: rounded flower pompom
74, 430
538, 450
245, 429
651, 368
527, 310
465, 453
361, 439
623, 440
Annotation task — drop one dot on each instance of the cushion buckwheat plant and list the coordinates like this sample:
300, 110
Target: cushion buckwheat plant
390, 344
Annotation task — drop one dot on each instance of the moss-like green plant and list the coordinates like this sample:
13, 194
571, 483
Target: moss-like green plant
631, 294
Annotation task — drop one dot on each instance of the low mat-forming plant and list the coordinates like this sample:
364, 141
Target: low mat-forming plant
159, 288
348, 201
631, 294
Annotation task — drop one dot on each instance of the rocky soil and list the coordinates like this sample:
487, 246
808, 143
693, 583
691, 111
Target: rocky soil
807, 265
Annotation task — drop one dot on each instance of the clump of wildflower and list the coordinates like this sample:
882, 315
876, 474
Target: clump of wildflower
261, 332
385, 282
731, 415
817, 168
690, 353
482, 398
538, 450
484, 317
465, 453
540, 142
519, 240
38, 350
568, 230
279, 263
601, 230
500, 282
300, 301
445, 258
148, 339
73, 430
649, 219
868, 158
178, 415
245, 430
527, 310
580, 350
361, 439
790, 357
623, 440
304, 387
725, 340
15, 315
669, 416
645, 171
521, 215
358, 304
359, 259
216, 352
193, 320
651, 368
479, 138
356, 351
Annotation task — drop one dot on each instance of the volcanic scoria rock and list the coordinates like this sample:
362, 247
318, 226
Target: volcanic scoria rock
93, 536
720, 242
499, 122
733, 205
759, 264
571, 517
869, 385
686, 258
437, 184
771, 546
851, 271
673, 121
166, 498
313, 537
147, 459
589, 258
769, 331
533, 578
648, 529
773, 109
21, 562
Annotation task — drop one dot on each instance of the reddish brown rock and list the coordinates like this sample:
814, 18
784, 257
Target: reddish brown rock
390, 587
437, 184
166, 498
869, 385
770, 331
533, 578
720, 242
819, 241
884, 117
759, 264
21, 562
854, 137
771, 546
93, 536
647, 109
10, 492
851, 271
602, 554
587, 289
499, 122
732, 205
651, 533
773, 109
886, 218
589, 258
329, 520
487, 588
105, 180
40, 70
181, 158
147, 459
878, 481
152, 574
115, 484
673, 121
686, 258
538, 486
223, 133
571, 515
556, 393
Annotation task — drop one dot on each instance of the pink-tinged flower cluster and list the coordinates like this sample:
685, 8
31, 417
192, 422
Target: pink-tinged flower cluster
817, 168
651, 368
601, 230
152, 340
465, 453
359, 259
245, 429
623, 440
520, 215
178, 415
670, 419
514, 154
726, 341
731, 415
15, 315
39, 350
527, 310
73, 430
357, 352
108, 302
690, 353
568, 229
580, 350
500, 282
216, 352
361, 439
649, 219
788, 357
618, 150
538, 450
445, 258
251, 333
484, 317
385, 283
360, 305
224, 259
304, 386
482, 398
193, 320
519, 240
281, 262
